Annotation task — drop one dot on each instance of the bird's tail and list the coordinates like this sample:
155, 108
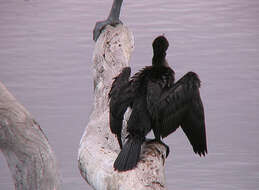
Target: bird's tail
129, 155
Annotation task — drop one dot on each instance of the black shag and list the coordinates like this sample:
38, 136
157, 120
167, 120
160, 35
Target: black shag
157, 103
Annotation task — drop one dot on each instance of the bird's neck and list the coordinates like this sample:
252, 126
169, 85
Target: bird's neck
159, 60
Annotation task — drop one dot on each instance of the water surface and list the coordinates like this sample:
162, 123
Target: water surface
46, 62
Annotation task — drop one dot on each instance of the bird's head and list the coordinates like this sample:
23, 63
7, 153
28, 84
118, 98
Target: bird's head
160, 45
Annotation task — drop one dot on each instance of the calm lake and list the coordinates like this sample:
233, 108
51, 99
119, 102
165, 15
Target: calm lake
46, 52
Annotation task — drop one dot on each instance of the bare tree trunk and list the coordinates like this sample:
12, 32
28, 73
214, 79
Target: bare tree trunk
29, 155
25, 147
99, 147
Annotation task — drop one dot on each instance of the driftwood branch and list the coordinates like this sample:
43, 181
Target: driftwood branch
99, 147
25, 147
30, 157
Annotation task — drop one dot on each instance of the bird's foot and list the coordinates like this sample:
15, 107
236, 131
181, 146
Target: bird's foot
161, 142
167, 148
100, 25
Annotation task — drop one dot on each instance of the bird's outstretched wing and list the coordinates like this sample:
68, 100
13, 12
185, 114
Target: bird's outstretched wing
120, 95
181, 105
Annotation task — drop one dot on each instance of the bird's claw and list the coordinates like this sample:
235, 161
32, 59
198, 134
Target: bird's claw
161, 142
167, 148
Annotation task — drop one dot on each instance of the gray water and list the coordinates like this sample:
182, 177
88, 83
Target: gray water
46, 62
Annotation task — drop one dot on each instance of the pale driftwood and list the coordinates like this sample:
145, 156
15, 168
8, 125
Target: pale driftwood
98, 147
25, 147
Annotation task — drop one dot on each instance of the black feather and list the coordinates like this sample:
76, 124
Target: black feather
157, 103
129, 155
120, 98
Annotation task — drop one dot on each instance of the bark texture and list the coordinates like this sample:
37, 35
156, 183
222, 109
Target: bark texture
25, 147
99, 147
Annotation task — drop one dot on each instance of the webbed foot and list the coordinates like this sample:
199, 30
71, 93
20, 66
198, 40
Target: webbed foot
161, 142
167, 148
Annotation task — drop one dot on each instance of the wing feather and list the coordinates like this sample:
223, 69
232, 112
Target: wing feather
194, 126
181, 105
120, 96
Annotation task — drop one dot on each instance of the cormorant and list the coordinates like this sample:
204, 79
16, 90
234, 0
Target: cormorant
157, 103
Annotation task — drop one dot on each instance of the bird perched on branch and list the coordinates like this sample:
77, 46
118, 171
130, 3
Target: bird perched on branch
157, 104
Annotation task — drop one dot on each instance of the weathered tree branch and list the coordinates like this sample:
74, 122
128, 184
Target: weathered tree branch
99, 147
25, 147
29, 155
